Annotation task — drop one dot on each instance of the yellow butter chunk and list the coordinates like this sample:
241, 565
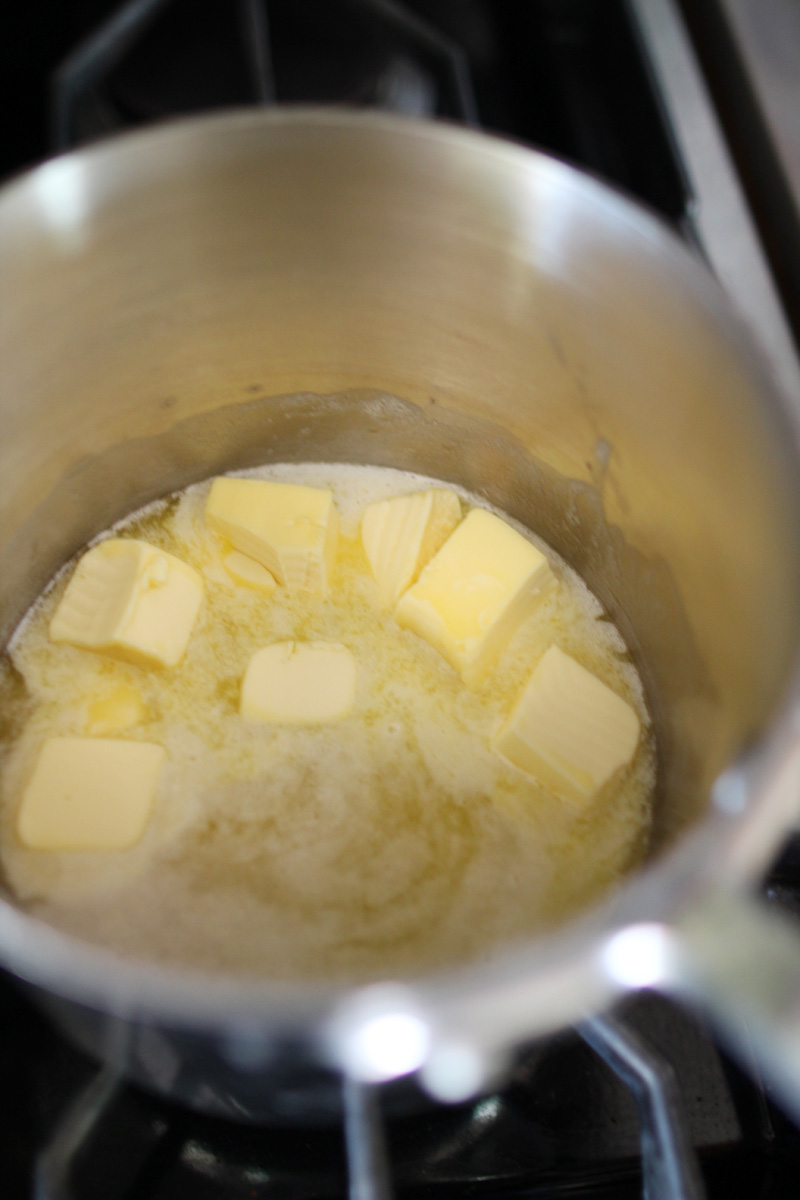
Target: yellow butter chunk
121, 709
249, 573
130, 600
400, 536
299, 683
89, 794
475, 593
568, 729
290, 529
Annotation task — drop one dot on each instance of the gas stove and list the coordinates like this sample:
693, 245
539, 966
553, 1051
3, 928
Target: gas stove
643, 1102
569, 1122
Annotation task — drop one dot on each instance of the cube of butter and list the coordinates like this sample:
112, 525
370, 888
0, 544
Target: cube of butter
248, 573
89, 794
568, 728
299, 683
475, 593
402, 534
118, 710
130, 600
290, 529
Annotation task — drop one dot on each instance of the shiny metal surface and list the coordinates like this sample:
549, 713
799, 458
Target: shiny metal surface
368, 1175
669, 1165
745, 956
767, 34
301, 285
719, 211
54, 1165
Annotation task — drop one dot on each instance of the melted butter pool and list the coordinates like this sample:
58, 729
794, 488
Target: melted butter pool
389, 843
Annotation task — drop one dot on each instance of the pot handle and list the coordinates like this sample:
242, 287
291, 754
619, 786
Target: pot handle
740, 961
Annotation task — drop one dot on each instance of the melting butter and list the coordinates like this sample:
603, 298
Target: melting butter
390, 842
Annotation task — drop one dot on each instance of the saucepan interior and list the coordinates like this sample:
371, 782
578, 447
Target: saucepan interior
311, 286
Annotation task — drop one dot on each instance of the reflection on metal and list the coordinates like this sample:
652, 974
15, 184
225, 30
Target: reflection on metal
258, 48
669, 1167
61, 193
73, 1132
455, 1071
389, 1045
92, 61
366, 1152
641, 956
378, 1034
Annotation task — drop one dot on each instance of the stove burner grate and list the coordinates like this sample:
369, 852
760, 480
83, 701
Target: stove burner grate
669, 1168
401, 61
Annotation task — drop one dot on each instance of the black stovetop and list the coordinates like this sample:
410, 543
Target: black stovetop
568, 76
564, 1126
563, 75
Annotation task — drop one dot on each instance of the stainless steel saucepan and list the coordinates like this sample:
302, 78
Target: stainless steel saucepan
314, 285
